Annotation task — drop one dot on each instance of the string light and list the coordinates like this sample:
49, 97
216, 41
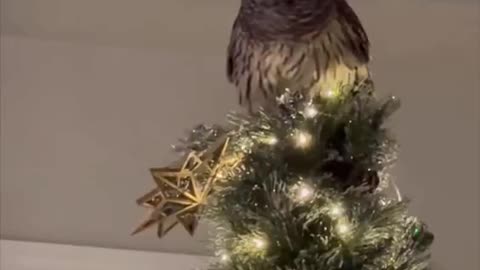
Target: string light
259, 243
270, 140
310, 111
224, 257
336, 210
304, 192
329, 93
343, 228
302, 139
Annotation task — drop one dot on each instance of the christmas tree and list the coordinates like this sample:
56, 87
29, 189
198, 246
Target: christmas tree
303, 183
310, 193
301, 187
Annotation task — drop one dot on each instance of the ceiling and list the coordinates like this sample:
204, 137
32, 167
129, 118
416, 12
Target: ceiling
95, 91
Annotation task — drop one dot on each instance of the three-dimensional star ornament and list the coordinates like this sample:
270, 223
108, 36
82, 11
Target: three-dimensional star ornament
181, 191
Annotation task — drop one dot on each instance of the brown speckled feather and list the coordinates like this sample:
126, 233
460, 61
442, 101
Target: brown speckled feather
308, 50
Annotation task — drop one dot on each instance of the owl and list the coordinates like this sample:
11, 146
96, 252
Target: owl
313, 46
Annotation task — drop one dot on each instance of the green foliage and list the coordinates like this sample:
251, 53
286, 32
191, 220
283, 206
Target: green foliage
308, 192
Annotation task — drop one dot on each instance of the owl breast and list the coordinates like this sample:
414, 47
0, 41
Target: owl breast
331, 59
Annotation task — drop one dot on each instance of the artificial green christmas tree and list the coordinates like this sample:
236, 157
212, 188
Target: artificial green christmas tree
311, 191
300, 187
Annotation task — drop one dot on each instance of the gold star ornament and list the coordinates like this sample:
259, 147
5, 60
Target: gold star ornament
181, 191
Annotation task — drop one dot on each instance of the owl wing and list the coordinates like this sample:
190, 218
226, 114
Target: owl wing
241, 54
353, 34
231, 53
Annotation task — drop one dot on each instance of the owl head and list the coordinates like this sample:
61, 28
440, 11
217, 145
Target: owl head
285, 16
287, 4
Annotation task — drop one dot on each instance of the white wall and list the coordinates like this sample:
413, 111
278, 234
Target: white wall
82, 124
85, 113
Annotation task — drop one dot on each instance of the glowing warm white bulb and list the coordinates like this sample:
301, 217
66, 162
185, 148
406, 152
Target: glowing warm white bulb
259, 243
310, 111
304, 193
336, 210
303, 139
329, 93
224, 257
343, 228
271, 140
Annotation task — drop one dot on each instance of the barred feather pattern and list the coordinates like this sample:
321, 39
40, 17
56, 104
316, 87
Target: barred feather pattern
334, 54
